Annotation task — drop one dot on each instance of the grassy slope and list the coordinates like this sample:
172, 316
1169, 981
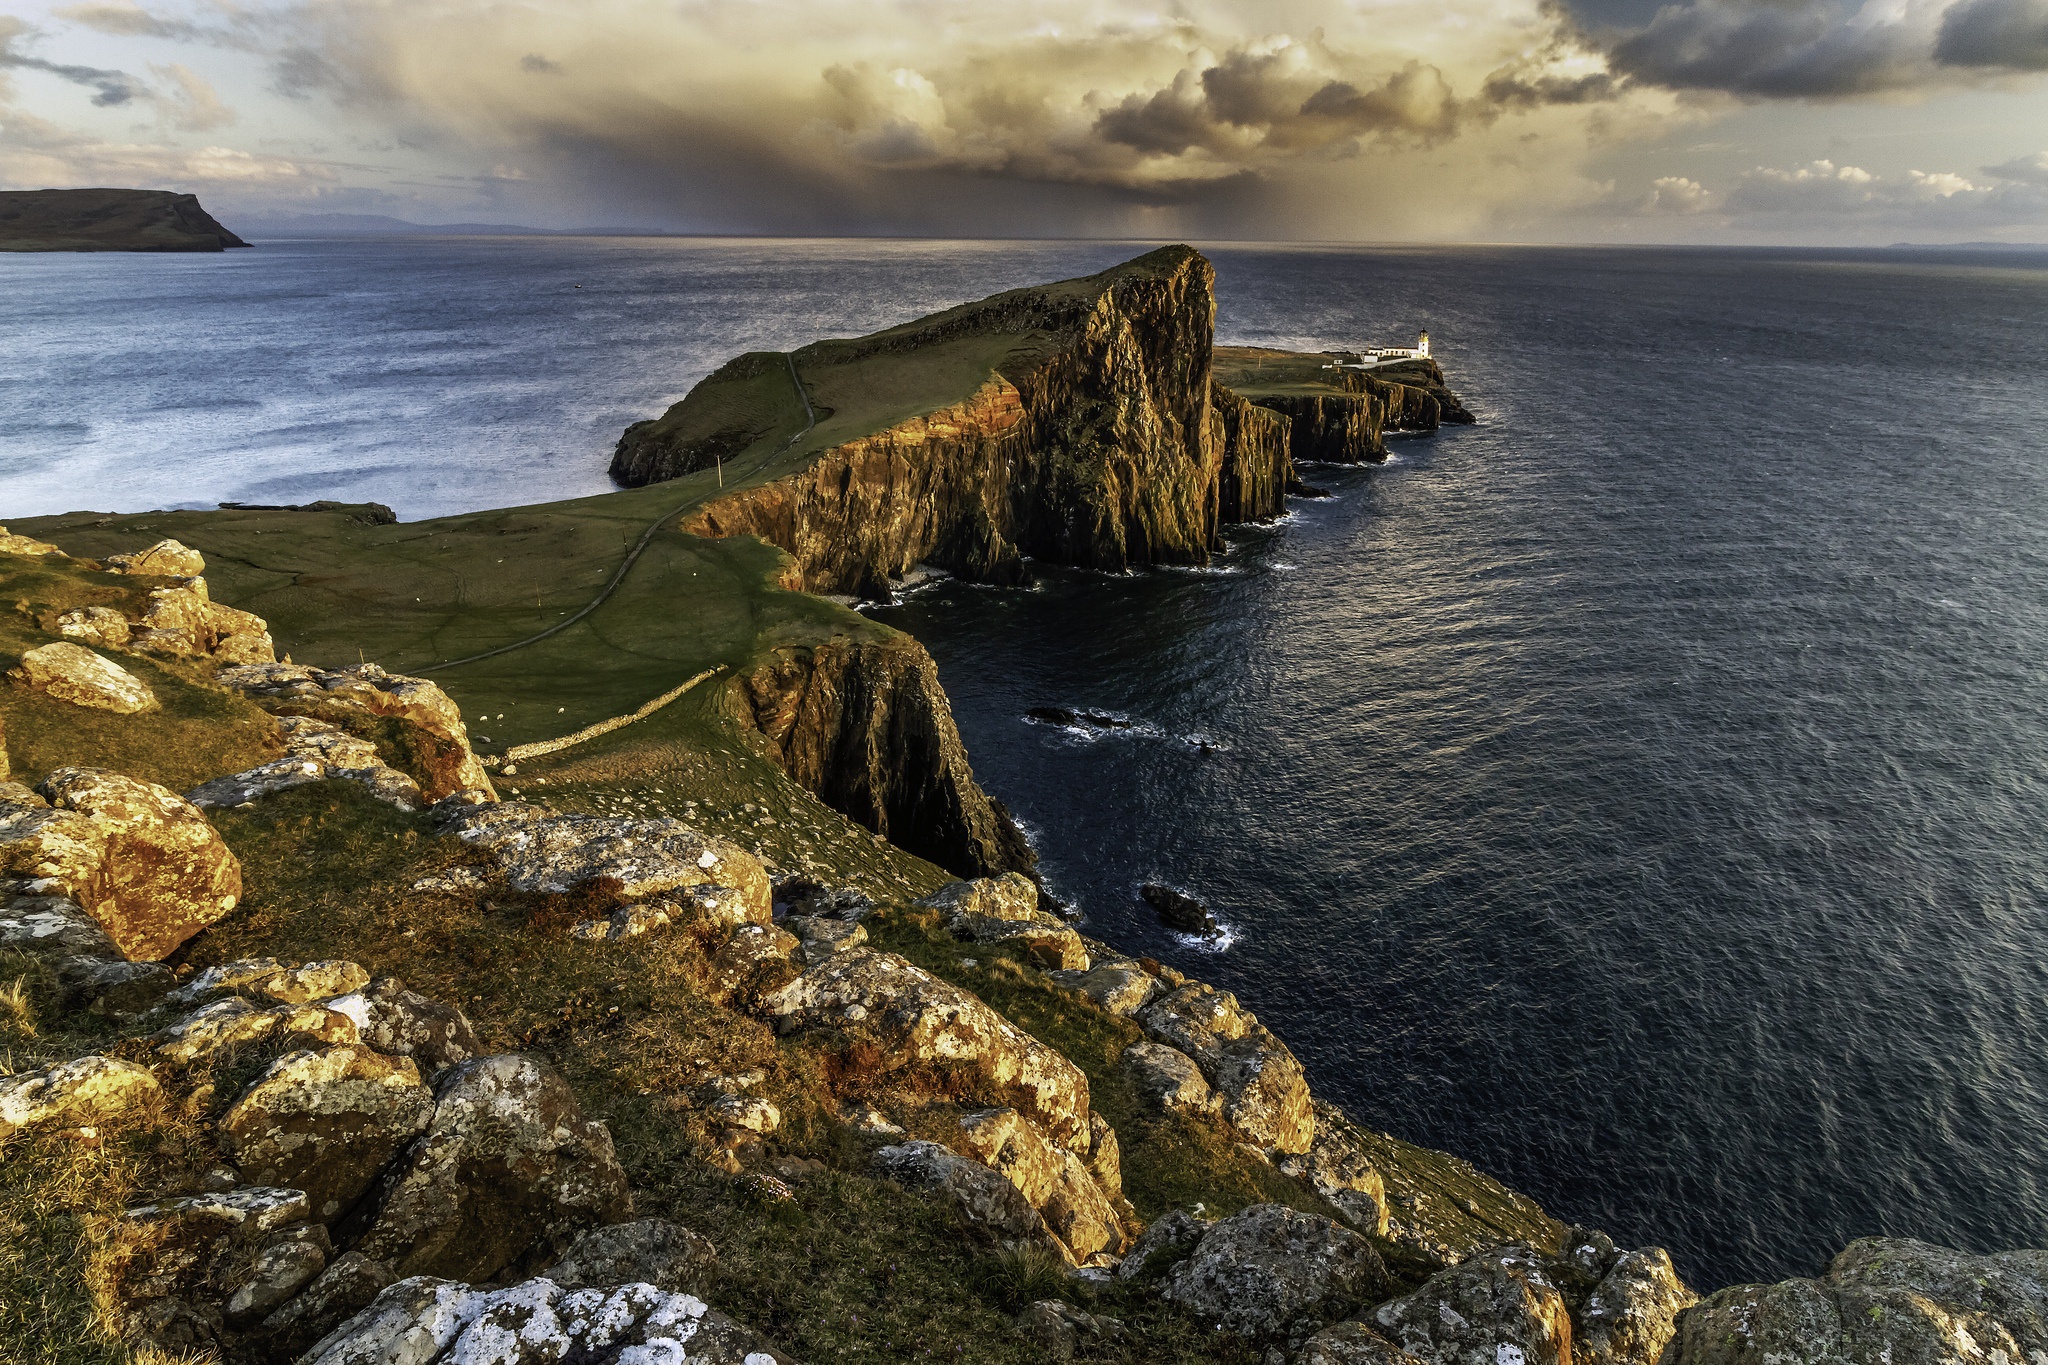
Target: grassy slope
1255, 372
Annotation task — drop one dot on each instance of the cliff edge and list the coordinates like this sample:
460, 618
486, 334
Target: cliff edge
108, 220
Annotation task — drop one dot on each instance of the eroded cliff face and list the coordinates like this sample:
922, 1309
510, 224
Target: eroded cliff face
1095, 445
1349, 427
866, 726
1257, 464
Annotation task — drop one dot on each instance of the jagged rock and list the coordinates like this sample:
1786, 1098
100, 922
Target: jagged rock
102, 626
71, 673
165, 559
1339, 1168
1171, 1077
540, 851
821, 938
1354, 1343
1255, 1076
1499, 1308
801, 896
267, 977
1118, 985
171, 1263
1047, 1328
1262, 1271
651, 1251
1171, 1238
1883, 1301
344, 1288
327, 1123
315, 751
265, 779
985, 1198
184, 620
89, 968
1053, 1180
403, 1023
424, 1321
1178, 910
920, 1022
74, 1092
277, 1273
751, 965
865, 1119
140, 860
11, 544
1005, 910
439, 756
628, 921
1632, 1314
508, 1167
235, 1023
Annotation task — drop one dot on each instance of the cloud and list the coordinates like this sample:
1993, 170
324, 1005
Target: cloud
1794, 50
110, 88
535, 64
187, 100
2030, 170
1675, 194
124, 18
2002, 34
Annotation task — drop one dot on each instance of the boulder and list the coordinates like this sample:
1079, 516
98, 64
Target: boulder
11, 544
165, 559
1263, 1271
327, 1123
1052, 1179
72, 673
140, 859
1257, 1079
1632, 1314
1169, 1076
185, 621
271, 979
507, 1168
276, 1273
651, 1251
917, 1022
253, 784
1883, 1301
102, 626
438, 757
1172, 1238
1499, 1308
170, 1263
76, 1092
1005, 910
984, 1198
1339, 1167
539, 851
424, 1321
1118, 985
72, 944
752, 964
234, 1023
820, 938
1354, 1343
403, 1023
1179, 911
344, 1288
1057, 1329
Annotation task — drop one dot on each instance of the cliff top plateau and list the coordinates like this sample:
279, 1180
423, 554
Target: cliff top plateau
551, 934
108, 220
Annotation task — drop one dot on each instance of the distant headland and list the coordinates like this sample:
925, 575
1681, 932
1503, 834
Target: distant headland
109, 220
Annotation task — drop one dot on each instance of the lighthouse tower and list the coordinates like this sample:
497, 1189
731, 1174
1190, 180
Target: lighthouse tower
1422, 345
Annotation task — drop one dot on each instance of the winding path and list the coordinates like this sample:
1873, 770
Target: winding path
810, 423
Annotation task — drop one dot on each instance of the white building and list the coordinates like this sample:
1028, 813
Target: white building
1387, 355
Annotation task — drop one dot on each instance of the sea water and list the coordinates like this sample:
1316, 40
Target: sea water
1640, 794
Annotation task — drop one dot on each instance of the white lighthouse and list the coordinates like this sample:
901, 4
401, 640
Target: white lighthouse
1388, 355
1422, 346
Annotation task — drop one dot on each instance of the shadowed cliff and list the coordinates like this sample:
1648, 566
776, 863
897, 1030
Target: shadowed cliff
108, 220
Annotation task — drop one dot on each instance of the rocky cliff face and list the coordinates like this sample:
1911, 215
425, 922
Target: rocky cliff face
1257, 464
1097, 445
867, 728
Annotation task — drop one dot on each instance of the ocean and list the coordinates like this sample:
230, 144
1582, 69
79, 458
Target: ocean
1639, 793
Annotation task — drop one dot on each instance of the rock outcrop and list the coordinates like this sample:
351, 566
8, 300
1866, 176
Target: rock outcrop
1256, 1079
866, 727
74, 1092
1269, 1269
1005, 910
72, 673
141, 860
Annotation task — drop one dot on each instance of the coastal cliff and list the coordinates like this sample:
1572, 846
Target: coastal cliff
1339, 415
108, 220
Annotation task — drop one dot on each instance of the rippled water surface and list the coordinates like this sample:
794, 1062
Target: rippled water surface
1640, 793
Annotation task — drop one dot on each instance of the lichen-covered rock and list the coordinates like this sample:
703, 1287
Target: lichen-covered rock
1500, 1308
507, 1169
985, 1198
918, 1022
172, 1263
346, 1287
650, 1251
1117, 984
1632, 1313
253, 784
234, 1022
1005, 910
404, 1023
140, 859
273, 980
1339, 1167
102, 626
11, 544
1266, 1269
79, 1091
1883, 1301
184, 620
1052, 1179
751, 965
72, 944
327, 1123
538, 850
1354, 1343
438, 753
1172, 1237
1171, 1077
165, 559
275, 1274
821, 938
424, 1321
72, 673
1260, 1084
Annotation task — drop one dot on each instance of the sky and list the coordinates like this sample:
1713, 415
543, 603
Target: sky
1693, 121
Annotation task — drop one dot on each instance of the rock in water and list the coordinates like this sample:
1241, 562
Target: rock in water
73, 673
1178, 910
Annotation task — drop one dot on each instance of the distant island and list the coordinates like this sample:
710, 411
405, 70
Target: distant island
108, 220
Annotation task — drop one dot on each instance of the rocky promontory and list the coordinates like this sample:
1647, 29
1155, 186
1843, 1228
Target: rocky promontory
108, 220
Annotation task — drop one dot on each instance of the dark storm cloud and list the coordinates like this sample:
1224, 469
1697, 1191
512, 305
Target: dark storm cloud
1772, 51
2010, 35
